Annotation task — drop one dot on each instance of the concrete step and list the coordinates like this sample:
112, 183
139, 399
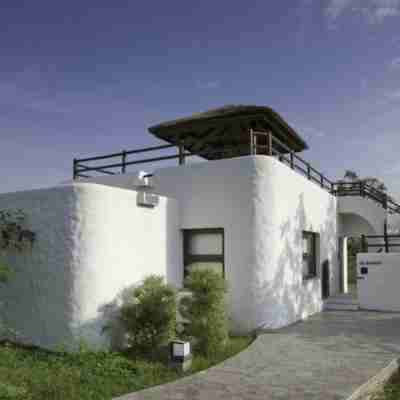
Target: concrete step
341, 304
341, 300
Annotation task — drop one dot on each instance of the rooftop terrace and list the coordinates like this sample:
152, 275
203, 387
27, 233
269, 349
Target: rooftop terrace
227, 132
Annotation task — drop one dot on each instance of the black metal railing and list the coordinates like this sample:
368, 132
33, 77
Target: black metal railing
82, 166
384, 242
269, 145
80, 169
381, 242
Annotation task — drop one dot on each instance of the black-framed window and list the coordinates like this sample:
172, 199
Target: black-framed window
309, 255
203, 249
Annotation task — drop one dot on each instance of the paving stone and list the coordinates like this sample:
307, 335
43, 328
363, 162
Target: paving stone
325, 357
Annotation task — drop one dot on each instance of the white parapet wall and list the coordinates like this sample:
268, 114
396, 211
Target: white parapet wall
92, 242
378, 283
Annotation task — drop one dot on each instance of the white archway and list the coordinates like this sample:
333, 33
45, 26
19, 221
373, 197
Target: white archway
351, 224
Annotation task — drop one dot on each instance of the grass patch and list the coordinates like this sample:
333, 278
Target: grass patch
391, 390
35, 374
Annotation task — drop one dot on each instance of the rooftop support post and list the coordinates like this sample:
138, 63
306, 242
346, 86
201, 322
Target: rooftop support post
322, 180
385, 236
75, 173
270, 143
251, 141
181, 153
123, 166
308, 171
291, 160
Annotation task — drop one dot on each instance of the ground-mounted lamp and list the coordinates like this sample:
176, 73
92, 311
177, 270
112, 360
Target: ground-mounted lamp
180, 354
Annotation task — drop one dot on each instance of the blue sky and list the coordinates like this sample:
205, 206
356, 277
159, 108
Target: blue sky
82, 78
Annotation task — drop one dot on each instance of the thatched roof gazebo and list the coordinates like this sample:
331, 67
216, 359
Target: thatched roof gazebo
227, 132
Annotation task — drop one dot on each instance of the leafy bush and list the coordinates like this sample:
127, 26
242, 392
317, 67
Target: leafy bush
205, 311
148, 314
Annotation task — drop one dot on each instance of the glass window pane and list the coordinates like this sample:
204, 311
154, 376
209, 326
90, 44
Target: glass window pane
306, 269
215, 266
307, 243
205, 243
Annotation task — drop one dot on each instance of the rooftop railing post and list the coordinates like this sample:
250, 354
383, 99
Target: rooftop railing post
291, 160
385, 201
362, 189
181, 153
75, 164
308, 171
123, 167
385, 237
332, 188
322, 180
251, 134
254, 144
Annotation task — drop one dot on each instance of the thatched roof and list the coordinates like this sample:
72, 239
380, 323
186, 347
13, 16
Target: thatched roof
212, 132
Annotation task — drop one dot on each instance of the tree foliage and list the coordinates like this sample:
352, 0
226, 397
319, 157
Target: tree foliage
148, 314
13, 237
205, 311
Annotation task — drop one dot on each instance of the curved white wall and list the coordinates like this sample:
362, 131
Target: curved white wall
92, 242
285, 204
263, 206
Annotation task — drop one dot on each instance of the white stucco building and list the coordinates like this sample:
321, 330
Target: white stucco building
255, 211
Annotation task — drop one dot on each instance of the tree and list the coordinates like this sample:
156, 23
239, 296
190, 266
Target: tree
148, 314
13, 237
205, 311
351, 175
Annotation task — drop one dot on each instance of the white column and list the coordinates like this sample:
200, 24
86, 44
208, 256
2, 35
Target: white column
343, 264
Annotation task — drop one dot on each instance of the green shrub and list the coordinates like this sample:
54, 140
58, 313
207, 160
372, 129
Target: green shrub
205, 311
148, 314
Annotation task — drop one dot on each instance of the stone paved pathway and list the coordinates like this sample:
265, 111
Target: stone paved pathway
326, 358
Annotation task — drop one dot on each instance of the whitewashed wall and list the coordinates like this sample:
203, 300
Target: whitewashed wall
263, 206
92, 242
285, 204
219, 194
379, 288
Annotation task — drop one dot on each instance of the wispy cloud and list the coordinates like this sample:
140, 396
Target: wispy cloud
395, 95
372, 11
309, 131
335, 8
395, 63
208, 84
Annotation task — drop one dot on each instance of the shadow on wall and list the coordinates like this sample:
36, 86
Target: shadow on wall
287, 298
174, 247
106, 330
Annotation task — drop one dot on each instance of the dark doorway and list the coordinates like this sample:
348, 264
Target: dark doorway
325, 279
